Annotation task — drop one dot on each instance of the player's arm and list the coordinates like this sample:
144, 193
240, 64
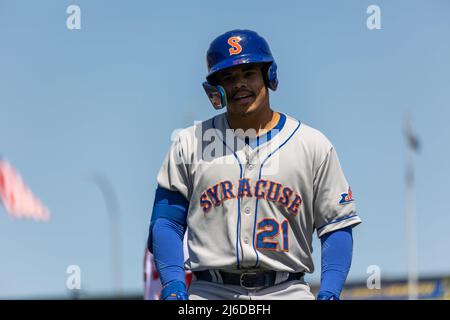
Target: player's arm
335, 216
165, 241
337, 250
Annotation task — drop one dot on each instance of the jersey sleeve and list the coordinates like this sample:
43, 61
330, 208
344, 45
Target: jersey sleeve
174, 172
334, 206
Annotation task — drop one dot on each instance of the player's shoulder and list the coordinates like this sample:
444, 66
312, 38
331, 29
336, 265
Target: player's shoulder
313, 135
307, 134
188, 138
199, 127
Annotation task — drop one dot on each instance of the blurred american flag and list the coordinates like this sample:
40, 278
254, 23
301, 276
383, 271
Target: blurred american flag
17, 198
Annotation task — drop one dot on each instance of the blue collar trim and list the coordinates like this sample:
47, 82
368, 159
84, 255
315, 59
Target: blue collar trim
256, 142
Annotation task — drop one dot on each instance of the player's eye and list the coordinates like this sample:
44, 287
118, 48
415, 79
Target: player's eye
227, 79
250, 73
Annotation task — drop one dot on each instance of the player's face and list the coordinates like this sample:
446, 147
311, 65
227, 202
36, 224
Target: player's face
245, 88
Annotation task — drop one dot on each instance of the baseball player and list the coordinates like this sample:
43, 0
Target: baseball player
252, 185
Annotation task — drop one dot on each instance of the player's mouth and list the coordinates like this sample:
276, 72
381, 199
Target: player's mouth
243, 97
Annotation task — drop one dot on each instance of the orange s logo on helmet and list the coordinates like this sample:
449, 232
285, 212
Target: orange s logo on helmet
235, 46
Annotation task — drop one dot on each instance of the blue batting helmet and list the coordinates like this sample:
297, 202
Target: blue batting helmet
238, 47
234, 48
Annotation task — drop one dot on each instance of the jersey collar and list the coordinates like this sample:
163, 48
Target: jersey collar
260, 140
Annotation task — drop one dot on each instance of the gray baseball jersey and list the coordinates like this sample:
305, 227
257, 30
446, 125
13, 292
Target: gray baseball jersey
254, 202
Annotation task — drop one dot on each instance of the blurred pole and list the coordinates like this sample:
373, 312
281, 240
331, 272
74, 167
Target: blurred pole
410, 210
112, 206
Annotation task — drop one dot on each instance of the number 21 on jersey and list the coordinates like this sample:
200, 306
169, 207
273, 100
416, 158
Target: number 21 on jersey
269, 237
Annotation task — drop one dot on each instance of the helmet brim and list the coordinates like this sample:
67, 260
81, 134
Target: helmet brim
238, 60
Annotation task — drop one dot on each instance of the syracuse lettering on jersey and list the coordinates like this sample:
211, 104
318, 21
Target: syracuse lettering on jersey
262, 189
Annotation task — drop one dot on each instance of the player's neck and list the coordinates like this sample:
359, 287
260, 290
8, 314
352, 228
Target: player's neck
264, 120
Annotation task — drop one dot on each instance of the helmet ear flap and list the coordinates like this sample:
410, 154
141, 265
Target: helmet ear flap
216, 94
272, 76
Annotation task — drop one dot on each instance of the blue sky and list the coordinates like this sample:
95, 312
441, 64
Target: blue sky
106, 98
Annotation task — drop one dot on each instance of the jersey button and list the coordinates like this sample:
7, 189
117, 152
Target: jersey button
250, 166
247, 210
246, 240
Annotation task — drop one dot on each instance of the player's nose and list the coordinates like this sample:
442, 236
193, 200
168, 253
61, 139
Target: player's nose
240, 83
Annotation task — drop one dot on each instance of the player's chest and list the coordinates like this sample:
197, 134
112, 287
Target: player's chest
279, 177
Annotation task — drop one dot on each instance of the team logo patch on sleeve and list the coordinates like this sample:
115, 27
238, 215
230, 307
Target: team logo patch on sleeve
346, 197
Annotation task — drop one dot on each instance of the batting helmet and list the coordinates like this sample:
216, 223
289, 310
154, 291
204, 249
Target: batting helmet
234, 48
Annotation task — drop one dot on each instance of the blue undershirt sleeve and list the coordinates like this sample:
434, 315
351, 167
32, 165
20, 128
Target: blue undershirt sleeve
337, 250
168, 250
167, 228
